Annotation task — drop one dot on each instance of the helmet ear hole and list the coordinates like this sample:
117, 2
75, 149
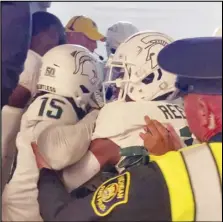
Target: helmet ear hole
149, 79
113, 50
84, 89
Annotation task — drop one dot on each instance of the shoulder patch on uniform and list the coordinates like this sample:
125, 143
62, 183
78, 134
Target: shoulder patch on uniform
110, 194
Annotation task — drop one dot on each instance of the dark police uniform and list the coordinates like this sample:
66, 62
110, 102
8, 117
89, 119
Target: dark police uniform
178, 186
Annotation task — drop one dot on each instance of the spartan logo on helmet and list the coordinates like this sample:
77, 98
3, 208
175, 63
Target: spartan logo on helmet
153, 46
80, 58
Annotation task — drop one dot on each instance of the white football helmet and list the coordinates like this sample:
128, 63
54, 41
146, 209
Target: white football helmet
117, 34
70, 71
140, 77
218, 32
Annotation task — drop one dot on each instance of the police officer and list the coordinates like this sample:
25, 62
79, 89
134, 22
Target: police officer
181, 185
199, 82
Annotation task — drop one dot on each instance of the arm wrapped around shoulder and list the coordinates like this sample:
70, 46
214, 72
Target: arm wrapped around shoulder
11, 118
64, 145
76, 175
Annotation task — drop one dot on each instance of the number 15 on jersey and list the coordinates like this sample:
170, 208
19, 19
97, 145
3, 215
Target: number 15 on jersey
52, 108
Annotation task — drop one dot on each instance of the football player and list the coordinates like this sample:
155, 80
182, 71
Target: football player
142, 88
56, 123
47, 32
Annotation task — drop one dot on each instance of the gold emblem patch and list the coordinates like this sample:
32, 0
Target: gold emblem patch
110, 194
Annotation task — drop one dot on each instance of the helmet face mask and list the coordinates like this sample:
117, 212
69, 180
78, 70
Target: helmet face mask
143, 79
117, 79
75, 73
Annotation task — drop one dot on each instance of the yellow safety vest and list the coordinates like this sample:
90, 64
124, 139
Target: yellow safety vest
194, 180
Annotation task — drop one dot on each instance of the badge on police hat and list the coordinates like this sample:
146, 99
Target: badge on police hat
110, 194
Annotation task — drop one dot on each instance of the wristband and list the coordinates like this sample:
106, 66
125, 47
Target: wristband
134, 155
133, 151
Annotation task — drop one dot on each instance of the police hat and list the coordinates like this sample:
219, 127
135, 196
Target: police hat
197, 62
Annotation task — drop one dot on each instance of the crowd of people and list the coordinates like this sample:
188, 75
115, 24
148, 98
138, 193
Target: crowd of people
134, 137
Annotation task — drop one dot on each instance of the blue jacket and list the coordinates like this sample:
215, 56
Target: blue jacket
216, 138
16, 36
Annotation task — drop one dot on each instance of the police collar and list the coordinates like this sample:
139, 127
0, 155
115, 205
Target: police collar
216, 138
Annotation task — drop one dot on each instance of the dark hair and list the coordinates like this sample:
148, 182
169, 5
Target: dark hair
42, 21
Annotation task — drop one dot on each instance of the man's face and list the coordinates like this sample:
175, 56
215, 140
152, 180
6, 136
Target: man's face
80, 39
48, 39
195, 115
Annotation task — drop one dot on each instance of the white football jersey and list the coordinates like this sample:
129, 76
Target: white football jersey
29, 77
52, 122
50, 108
61, 138
122, 122
20, 196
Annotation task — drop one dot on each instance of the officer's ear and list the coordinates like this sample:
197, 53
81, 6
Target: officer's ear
204, 112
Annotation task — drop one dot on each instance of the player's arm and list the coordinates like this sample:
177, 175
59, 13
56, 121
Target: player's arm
11, 118
101, 152
13, 111
65, 143
10, 126
23, 92
19, 97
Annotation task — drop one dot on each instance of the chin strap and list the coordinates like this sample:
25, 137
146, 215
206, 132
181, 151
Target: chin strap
134, 155
80, 112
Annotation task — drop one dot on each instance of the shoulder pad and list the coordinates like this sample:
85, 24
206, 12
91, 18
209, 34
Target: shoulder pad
51, 107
